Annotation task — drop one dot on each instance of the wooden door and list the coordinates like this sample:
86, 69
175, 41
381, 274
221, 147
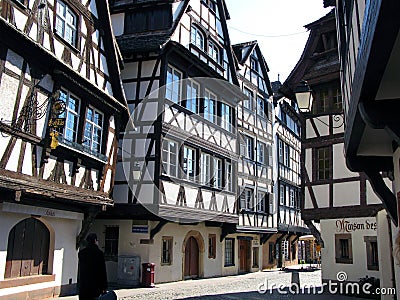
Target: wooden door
28, 249
244, 255
191, 258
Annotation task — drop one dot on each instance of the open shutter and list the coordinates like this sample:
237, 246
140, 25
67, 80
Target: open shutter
270, 203
269, 105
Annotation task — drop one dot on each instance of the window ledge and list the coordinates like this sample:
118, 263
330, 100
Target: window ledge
82, 150
14, 282
229, 265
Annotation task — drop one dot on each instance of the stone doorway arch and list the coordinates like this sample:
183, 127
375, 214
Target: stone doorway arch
193, 245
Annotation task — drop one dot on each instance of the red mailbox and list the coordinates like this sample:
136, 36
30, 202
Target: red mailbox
148, 275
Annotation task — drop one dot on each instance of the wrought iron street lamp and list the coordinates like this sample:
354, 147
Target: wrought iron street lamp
304, 97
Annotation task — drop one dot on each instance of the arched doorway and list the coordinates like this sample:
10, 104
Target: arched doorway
193, 248
27, 249
191, 258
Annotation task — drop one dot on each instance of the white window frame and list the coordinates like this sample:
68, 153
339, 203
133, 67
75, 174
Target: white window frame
214, 51
261, 106
173, 89
210, 101
261, 148
248, 103
94, 126
249, 198
282, 194
292, 197
261, 201
205, 168
192, 96
197, 37
63, 22
249, 142
67, 114
186, 160
217, 182
171, 166
226, 117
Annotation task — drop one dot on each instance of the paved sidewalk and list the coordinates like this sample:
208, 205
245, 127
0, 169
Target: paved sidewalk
231, 287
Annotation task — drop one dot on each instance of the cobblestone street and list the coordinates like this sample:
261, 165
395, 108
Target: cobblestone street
230, 287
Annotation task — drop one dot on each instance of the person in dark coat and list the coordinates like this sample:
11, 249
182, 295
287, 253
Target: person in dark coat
92, 270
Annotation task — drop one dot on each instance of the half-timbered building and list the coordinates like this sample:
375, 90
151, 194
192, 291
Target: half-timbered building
61, 105
257, 217
368, 47
282, 246
176, 179
339, 206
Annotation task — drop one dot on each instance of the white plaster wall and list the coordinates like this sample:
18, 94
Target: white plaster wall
346, 193
340, 169
129, 244
358, 268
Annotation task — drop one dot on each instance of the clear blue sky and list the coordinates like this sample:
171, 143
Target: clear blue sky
278, 26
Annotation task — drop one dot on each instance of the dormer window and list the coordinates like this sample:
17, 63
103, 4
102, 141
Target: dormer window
254, 64
213, 51
66, 23
196, 37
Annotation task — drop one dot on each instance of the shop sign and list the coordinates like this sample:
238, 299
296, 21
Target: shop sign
347, 226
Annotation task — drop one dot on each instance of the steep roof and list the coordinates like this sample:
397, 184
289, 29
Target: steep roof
312, 64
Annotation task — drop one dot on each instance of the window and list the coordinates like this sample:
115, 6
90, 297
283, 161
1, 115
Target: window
209, 106
212, 246
247, 199
261, 106
166, 250
285, 248
148, 19
271, 247
292, 197
337, 99
173, 86
226, 117
323, 163
212, 5
111, 243
93, 129
249, 151
282, 194
229, 182
343, 249
247, 103
254, 63
271, 203
255, 257
286, 155
269, 161
205, 165
280, 151
372, 252
261, 152
71, 114
189, 163
196, 37
261, 201
192, 96
66, 22
213, 51
229, 252
217, 173
170, 157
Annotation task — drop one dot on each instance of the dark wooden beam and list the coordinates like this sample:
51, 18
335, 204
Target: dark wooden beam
384, 193
227, 229
315, 232
265, 237
86, 225
158, 228
354, 211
